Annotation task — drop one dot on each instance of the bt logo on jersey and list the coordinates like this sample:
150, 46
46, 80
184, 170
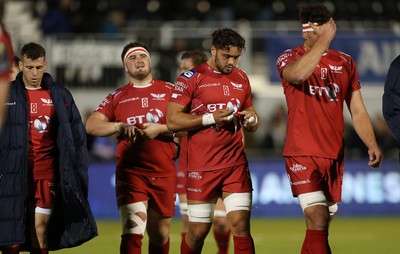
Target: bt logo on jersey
154, 115
233, 104
40, 124
133, 120
330, 91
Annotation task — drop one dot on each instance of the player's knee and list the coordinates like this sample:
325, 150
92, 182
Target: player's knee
238, 201
312, 199
220, 224
202, 213
133, 218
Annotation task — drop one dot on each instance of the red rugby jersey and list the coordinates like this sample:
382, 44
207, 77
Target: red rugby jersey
315, 122
182, 161
137, 105
42, 148
214, 147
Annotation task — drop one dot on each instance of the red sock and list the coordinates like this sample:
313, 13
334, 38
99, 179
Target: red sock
183, 235
304, 248
14, 249
317, 242
39, 251
185, 249
156, 249
243, 245
131, 244
222, 240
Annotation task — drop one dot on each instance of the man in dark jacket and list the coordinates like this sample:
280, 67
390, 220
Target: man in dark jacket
43, 164
391, 99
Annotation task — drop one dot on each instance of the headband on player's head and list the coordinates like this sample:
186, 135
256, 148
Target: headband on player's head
307, 27
140, 50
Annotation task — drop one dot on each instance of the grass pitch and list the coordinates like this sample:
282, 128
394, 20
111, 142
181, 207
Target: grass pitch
367, 235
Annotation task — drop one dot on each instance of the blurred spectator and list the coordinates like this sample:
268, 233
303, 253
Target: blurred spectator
254, 10
386, 141
90, 138
355, 148
167, 59
114, 21
100, 148
56, 20
276, 133
221, 10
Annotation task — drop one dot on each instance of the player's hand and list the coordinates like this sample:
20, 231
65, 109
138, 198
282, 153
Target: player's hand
250, 120
325, 31
150, 130
130, 133
375, 157
223, 116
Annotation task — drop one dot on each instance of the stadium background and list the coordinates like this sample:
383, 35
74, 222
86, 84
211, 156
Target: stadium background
87, 38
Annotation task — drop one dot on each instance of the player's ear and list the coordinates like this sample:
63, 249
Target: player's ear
213, 50
305, 35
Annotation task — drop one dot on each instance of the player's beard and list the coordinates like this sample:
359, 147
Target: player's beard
221, 69
141, 74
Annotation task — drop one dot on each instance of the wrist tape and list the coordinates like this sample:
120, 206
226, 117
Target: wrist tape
207, 119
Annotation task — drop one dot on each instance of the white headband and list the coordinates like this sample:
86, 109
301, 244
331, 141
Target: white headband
136, 50
307, 27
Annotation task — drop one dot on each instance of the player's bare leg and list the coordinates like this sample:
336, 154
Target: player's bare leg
158, 228
38, 229
317, 221
199, 225
240, 228
238, 208
196, 234
221, 229
183, 211
134, 220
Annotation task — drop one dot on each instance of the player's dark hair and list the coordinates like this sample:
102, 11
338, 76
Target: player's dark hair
224, 38
315, 13
33, 51
16, 61
198, 56
133, 45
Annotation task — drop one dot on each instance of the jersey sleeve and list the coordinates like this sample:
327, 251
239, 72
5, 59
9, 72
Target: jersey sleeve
285, 58
106, 107
183, 89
